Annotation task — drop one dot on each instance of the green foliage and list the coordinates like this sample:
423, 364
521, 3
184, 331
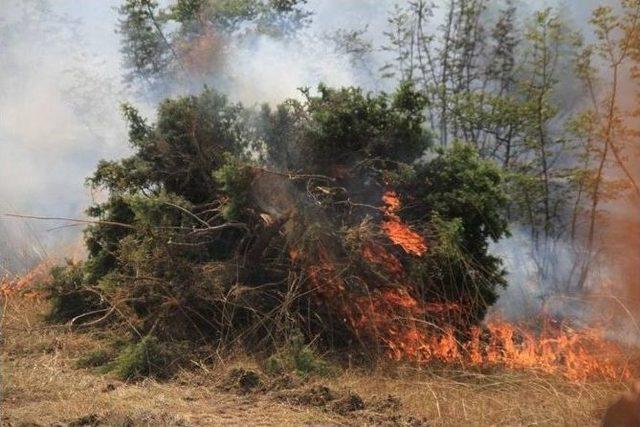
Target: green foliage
180, 161
304, 358
68, 294
187, 10
274, 365
348, 125
145, 52
457, 183
279, 130
197, 238
235, 179
298, 356
145, 358
464, 199
102, 239
190, 140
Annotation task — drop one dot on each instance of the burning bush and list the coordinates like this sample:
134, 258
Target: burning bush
322, 217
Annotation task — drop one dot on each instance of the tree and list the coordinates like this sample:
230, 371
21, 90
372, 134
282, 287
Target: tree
185, 40
499, 91
147, 52
547, 38
603, 128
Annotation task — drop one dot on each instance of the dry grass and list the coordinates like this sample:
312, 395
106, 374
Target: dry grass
42, 385
512, 399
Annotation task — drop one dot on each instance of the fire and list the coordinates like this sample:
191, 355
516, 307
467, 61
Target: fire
376, 254
203, 52
577, 355
399, 232
387, 314
26, 282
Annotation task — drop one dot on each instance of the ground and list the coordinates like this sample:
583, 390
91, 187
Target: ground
42, 385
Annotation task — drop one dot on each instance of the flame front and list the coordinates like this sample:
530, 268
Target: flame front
390, 317
395, 318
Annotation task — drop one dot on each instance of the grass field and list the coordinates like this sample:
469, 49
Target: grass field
42, 385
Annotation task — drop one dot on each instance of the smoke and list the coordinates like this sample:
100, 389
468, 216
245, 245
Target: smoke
264, 69
59, 95
259, 68
61, 83
545, 277
283, 67
542, 276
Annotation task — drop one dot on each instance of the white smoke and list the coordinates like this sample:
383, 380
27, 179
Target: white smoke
61, 83
59, 95
543, 276
283, 67
260, 68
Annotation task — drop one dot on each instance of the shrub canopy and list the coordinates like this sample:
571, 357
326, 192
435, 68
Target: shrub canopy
231, 223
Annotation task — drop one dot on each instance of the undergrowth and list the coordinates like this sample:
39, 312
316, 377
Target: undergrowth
299, 357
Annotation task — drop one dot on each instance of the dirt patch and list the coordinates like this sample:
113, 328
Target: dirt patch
323, 396
378, 411
386, 410
396, 420
86, 421
390, 403
91, 420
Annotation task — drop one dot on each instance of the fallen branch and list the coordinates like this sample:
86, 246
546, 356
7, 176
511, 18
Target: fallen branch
83, 221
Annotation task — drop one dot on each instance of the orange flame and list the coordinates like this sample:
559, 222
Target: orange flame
28, 281
577, 355
376, 254
386, 313
399, 232
202, 53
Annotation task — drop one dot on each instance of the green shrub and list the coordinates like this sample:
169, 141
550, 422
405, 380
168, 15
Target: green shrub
300, 357
146, 358
68, 295
274, 365
464, 199
305, 359
207, 231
